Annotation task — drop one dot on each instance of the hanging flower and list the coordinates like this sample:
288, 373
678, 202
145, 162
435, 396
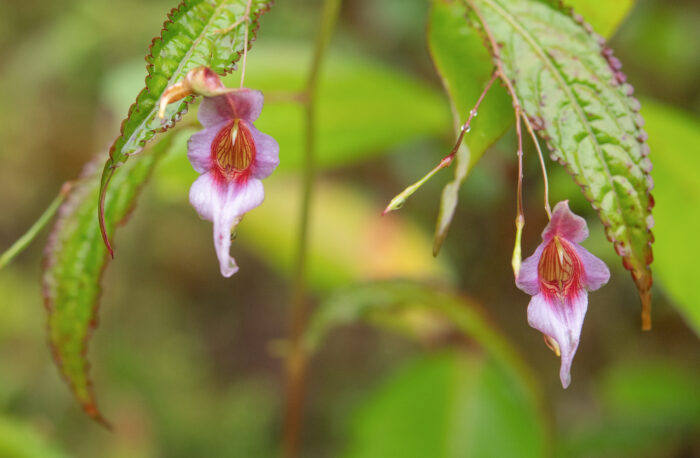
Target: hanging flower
232, 157
558, 276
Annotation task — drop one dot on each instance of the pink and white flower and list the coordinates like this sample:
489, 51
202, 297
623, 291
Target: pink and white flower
558, 276
232, 157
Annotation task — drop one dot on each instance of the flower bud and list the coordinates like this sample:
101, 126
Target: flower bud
198, 81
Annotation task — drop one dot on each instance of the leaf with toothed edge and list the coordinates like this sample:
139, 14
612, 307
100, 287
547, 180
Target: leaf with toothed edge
454, 46
572, 91
74, 260
195, 34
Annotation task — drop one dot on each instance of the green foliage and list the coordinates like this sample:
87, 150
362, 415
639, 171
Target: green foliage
184, 351
22, 441
426, 313
192, 36
455, 45
571, 89
465, 66
447, 406
74, 261
674, 137
605, 16
647, 408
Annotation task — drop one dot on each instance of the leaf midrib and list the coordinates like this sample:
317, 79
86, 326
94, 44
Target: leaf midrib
562, 84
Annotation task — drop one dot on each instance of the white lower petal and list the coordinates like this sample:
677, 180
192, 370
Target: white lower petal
234, 201
225, 204
561, 320
203, 196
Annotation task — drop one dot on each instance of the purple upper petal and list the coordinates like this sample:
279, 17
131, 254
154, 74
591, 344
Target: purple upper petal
225, 204
245, 104
562, 321
199, 147
266, 153
565, 224
596, 273
528, 277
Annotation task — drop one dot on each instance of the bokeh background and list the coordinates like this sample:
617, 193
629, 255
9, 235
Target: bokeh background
188, 364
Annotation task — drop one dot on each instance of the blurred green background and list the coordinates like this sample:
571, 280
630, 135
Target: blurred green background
186, 363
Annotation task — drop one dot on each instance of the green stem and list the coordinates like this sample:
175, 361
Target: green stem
296, 360
24, 241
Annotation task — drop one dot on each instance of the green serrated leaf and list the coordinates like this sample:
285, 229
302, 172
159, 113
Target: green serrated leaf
196, 33
74, 260
465, 65
572, 91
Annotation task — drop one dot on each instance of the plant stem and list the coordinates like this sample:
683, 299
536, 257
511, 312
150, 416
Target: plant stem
520, 217
33, 231
246, 18
398, 201
547, 208
296, 361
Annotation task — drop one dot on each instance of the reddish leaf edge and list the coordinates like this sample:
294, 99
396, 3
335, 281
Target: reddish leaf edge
76, 194
641, 274
110, 167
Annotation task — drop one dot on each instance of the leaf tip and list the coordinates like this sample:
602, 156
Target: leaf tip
437, 243
645, 296
91, 409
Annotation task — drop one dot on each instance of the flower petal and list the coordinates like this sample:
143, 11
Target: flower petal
562, 321
225, 204
565, 224
266, 153
528, 277
247, 104
244, 104
215, 110
236, 200
199, 147
203, 196
596, 272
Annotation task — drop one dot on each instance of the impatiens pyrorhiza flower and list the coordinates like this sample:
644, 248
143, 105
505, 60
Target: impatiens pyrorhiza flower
232, 157
558, 276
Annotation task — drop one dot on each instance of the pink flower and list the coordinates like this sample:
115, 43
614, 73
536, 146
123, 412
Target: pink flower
232, 157
558, 276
